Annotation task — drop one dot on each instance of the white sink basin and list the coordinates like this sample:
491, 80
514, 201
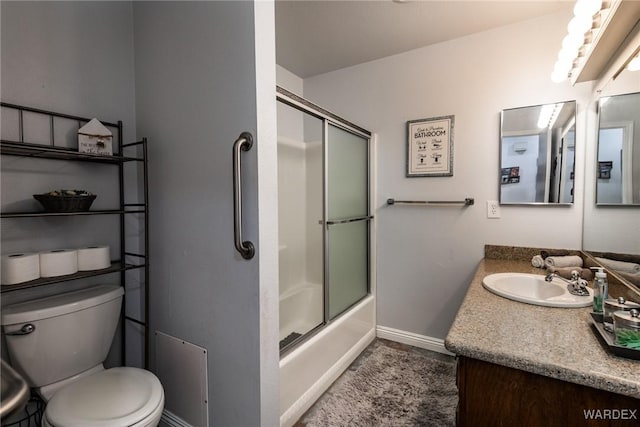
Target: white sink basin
533, 289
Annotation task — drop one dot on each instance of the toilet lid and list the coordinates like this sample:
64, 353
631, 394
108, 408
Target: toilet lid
116, 396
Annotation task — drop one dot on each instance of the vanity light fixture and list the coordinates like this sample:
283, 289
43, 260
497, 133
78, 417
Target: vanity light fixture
548, 115
581, 30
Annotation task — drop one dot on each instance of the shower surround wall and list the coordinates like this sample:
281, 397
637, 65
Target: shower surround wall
300, 234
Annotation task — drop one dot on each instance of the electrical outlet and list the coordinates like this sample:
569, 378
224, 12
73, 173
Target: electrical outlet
493, 209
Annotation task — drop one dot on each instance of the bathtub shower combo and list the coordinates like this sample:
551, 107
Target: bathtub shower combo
327, 310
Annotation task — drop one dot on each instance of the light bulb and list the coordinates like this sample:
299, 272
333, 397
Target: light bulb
567, 55
572, 43
579, 25
579, 29
587, 8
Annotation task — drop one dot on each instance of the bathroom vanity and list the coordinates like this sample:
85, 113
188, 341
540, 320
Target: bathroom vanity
521, 364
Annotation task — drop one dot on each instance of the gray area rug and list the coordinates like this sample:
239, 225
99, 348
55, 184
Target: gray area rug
389, 387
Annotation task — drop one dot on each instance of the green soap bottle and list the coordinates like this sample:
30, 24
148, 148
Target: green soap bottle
600, 289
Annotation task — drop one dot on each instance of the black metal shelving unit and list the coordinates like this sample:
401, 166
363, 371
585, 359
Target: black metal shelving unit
54, 151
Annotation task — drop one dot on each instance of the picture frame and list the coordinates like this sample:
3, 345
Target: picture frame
510, 175
604, 169
430, 147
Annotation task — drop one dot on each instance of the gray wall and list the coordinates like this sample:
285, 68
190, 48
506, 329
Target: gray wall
195, 94
75, 58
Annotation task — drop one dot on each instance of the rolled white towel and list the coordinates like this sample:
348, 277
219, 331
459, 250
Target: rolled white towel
537, 261
627, 267
563, 261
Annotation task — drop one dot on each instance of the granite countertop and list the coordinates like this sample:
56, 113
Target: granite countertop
554, 342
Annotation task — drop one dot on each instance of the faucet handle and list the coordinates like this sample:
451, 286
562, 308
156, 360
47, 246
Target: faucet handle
575, 275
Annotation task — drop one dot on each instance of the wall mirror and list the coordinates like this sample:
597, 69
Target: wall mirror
618, 155
611, 216
537, 154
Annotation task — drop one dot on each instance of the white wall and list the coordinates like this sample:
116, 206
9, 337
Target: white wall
610, 145
292, 236
427, 256
289, 81
299, 189
527, 162
292, 167
292, 212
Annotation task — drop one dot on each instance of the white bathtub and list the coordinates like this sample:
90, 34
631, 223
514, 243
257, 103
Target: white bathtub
310, 369
300, 309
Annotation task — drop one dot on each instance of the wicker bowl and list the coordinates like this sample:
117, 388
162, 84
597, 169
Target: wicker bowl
65, 203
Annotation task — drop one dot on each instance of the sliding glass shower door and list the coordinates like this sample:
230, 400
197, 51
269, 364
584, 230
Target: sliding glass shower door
300, 234
347, 195
324, 220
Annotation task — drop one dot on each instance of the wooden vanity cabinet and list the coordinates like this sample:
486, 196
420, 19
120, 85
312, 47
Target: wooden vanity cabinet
492, 395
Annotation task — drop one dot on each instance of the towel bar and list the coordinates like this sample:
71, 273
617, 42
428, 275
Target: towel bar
466, 202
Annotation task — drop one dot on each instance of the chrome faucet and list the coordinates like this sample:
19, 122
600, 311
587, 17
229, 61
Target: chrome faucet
575, 286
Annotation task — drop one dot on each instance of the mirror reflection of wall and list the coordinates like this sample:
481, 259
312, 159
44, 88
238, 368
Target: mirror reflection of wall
537, 152
618, 162
611, 227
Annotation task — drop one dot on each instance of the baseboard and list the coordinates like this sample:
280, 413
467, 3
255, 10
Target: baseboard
409, 338
172, 420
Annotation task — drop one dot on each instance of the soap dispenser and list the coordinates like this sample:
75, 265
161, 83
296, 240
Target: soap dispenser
600, 289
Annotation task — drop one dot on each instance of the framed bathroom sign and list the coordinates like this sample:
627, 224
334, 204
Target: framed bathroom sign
430, 147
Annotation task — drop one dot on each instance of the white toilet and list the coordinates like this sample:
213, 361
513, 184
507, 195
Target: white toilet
58, 344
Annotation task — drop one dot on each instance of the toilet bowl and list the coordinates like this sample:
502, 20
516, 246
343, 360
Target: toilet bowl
61, 358
113, 397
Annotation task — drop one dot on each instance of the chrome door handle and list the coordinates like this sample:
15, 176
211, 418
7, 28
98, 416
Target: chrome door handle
25, 330
243, 143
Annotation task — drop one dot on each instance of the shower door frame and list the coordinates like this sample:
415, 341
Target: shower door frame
328, 118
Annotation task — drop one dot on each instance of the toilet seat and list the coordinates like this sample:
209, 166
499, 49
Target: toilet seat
113, 397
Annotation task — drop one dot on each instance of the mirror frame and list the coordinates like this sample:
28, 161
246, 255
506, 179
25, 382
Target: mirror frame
596, 165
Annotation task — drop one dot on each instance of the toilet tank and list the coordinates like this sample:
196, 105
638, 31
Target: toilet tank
73, 332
